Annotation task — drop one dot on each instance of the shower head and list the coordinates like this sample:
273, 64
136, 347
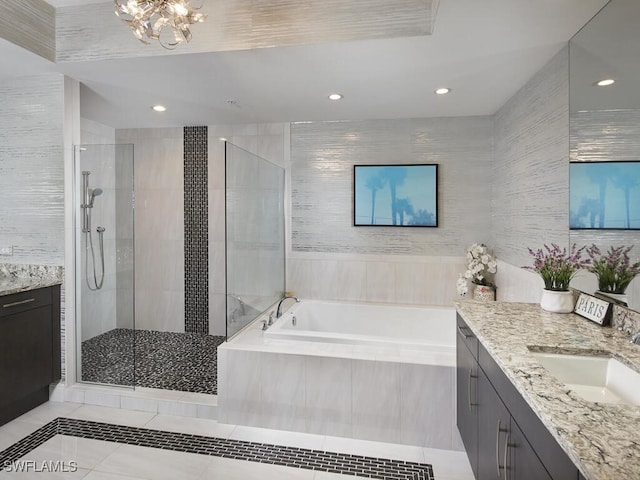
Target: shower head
94, 193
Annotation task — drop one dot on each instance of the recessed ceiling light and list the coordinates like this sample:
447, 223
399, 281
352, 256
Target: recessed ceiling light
335, 96
606, 82
159, 108
442, 91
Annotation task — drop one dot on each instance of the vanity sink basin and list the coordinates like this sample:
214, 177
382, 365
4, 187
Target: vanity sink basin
594, 378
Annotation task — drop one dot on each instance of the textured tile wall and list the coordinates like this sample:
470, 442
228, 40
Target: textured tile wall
245, 24
32, 169
196, 230
30, 25
322, 159
530, 198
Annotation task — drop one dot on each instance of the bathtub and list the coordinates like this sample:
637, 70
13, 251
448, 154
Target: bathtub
367, 324
369, 371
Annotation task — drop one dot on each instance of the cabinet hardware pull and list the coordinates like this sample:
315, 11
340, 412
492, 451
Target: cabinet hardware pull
498, 430
506, 450
460, 329
471, 375
15, 304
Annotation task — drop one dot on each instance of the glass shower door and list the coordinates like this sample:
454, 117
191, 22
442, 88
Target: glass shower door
104, 239
255, 236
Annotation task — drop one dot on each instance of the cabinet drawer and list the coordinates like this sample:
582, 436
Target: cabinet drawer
20, 302
546, 447
467, 337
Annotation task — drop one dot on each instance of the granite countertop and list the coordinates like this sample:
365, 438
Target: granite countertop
603, 440
21, 278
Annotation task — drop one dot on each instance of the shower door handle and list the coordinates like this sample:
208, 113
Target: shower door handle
15, 304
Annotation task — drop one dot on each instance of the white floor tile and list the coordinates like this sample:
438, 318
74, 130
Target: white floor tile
227, 469
94, 475
336, 476
49, 411
368, 448
195, 426
16, 430
448, 464
278, 437
116, 416
33, 474
86, 453
154, 464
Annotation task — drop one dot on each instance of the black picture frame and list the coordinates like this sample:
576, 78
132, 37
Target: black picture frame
604, 195
395, 195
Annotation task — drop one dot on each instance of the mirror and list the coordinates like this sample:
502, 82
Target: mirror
605, 120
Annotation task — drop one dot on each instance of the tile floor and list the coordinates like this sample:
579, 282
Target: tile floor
164, 360
103, 460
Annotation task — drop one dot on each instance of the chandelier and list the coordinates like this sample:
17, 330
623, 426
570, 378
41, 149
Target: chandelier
167, 21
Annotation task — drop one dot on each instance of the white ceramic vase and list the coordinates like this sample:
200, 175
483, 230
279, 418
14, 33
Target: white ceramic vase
557, 302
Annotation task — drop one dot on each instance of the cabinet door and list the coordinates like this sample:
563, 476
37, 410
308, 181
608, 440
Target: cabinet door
26, 355
523, 464
466, 403
493, 427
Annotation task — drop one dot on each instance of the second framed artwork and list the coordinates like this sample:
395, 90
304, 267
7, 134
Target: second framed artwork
395, 195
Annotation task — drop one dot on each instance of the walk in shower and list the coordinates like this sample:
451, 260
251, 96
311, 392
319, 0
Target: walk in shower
132, 332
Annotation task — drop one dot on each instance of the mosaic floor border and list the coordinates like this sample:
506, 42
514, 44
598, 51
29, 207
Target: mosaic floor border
317, 460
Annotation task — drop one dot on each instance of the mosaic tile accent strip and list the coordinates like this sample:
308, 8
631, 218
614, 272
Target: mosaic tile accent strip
166, 360
196, 230
321, 461
28, 443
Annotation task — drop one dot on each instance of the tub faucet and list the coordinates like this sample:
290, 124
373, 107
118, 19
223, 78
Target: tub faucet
241, 304
279, 309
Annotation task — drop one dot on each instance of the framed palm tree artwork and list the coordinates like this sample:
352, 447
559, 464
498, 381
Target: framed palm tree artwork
604, 195
395, 195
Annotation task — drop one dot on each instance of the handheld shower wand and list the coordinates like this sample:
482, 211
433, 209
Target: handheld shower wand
88, 198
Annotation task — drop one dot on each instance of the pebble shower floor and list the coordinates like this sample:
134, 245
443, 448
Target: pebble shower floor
165, 360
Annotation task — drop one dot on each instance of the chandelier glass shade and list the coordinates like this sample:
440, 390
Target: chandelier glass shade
167, 21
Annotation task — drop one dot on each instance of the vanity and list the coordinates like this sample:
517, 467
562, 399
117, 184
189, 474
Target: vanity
519, 418
30, 357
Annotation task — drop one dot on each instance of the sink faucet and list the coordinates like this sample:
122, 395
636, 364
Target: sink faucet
279, 309
635, 338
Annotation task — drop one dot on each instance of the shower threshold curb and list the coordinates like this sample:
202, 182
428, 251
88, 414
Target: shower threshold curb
164, 402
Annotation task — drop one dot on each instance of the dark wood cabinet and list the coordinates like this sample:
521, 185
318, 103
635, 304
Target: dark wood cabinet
493, 430
30, 355
504, 438
523, 463
467, 404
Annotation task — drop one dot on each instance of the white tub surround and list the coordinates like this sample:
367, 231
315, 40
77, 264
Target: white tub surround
601, 439
342, 383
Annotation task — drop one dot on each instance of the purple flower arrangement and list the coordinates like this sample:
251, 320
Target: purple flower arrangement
613, 270
556, 266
